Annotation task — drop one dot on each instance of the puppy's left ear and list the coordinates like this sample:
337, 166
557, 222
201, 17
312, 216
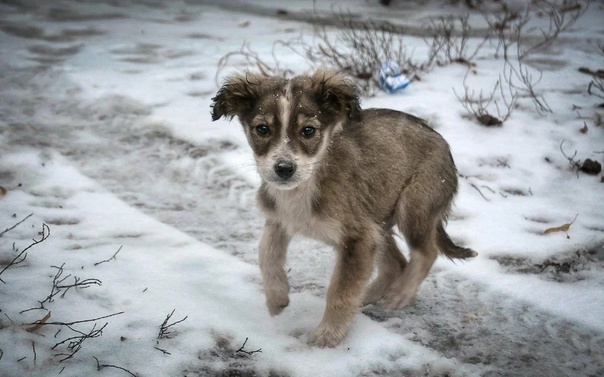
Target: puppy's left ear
337, 94
236, 96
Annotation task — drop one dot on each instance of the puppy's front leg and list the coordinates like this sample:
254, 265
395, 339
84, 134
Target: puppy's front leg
273, 251
353, 269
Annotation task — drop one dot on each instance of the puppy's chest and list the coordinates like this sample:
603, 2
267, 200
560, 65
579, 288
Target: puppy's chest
298, 215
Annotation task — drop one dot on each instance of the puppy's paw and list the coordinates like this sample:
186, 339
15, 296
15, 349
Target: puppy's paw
277, 296
276, 303
398, 299
326, 335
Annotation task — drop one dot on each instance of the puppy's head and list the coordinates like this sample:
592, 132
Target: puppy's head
288, 123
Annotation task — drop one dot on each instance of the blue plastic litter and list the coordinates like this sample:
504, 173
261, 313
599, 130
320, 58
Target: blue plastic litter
391, 77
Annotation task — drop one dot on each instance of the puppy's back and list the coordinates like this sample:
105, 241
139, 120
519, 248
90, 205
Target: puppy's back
383, 153
397, 137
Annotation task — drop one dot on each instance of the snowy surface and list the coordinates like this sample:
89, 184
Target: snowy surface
106, 137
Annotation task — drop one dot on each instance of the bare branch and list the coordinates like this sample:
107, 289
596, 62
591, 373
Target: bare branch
110, 259
75, 342
39, 324
481, 107
100, 366
241, 349
572, 163
507, 27
521, 79
252, 59
510, 27
359, 48
23, 254
162, 350
59, 288
596, 87
16, 225
561, 18
449, 42
33, 347
164, 328
73, 322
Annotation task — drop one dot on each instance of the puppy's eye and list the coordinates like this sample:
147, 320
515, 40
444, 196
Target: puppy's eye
308, 132
262, 130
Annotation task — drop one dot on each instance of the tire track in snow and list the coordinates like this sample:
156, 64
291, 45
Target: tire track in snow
186, 186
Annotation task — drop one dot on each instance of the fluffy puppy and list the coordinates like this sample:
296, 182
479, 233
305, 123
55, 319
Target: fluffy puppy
344, 176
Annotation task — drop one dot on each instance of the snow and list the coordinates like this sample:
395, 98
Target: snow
106, 137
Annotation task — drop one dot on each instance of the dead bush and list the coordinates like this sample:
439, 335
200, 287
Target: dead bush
494, 107
449, 41
359, 48
516, 28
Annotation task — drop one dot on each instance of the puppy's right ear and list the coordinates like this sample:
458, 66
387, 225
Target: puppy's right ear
236, 96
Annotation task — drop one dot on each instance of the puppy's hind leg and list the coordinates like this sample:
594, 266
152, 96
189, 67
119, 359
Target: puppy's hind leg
417, 216
391, 263
272, 256
404, 288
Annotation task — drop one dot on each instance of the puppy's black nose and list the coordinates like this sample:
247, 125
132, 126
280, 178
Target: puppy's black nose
285, 169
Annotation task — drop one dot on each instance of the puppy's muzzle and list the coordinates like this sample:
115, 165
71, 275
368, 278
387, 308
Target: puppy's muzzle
285, 169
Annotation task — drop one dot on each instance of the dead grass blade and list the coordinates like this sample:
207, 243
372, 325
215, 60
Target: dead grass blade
39, 324
562, 228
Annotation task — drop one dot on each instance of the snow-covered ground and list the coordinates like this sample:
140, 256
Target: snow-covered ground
106, 139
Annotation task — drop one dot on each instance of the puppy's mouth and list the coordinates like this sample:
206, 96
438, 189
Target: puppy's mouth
283, 184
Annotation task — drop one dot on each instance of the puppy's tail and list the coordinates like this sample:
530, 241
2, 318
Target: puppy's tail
449, 249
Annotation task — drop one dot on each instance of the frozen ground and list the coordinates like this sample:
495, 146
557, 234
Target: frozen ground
105, 137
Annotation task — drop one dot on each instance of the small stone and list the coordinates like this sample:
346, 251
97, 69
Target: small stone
591, 167
489, 120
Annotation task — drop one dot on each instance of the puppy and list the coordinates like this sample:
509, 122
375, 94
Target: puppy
344, 176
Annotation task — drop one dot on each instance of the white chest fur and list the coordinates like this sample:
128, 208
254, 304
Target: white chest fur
294, 209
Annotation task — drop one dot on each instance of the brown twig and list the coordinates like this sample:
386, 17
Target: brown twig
562, 228
481, 107
521, 80
449, 42
510, 26
558, 22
